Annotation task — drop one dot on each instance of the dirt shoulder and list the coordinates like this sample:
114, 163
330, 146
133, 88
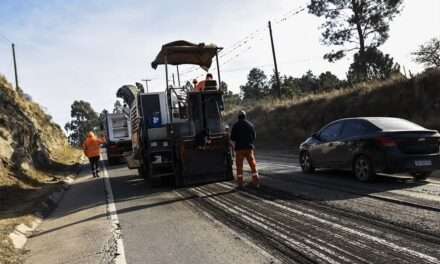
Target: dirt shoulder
22, 195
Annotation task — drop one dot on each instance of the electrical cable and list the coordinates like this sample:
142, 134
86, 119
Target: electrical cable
244, 44
5, 38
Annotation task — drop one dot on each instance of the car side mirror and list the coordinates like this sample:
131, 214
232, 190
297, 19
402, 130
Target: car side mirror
315, 136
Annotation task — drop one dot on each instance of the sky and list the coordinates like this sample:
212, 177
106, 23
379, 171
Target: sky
87, 49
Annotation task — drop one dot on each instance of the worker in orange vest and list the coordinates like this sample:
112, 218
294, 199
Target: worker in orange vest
200, 87
243, 135
92, 147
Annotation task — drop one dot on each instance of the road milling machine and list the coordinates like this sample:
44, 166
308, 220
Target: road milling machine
179, 134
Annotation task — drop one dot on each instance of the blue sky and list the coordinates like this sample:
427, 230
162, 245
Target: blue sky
69, 50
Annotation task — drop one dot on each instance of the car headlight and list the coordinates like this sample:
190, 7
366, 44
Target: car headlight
165, 144
153, 144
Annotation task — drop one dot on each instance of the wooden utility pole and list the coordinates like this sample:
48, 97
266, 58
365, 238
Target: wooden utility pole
277, 76
15, 67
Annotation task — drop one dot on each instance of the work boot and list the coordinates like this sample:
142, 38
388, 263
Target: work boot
97, 174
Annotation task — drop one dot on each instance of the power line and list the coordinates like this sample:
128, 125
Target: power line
243, 45
257, 35
261, 30
5, 38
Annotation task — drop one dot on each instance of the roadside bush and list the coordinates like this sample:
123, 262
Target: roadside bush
288, 122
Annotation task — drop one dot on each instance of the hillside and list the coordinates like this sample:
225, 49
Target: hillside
416, 99
34, 155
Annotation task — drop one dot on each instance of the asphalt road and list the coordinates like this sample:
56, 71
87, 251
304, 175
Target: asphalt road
159, 226
328, 217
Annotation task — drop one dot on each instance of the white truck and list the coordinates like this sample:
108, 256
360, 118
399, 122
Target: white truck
118, 134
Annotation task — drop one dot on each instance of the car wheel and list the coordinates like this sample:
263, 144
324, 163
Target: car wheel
420, 176
363, 169
306, 162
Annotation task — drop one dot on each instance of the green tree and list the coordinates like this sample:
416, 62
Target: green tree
83, 120
229, 97
328, 80
257, 86
428, 54
363, 24
379, 66
289, 86
308, 82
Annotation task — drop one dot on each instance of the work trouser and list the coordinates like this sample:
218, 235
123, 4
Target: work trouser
94, 165
249, 155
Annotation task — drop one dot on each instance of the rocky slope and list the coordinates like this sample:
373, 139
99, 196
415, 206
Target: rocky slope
34, 156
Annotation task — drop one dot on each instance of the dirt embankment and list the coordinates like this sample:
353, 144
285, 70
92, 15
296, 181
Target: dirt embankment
34, 156
286, 123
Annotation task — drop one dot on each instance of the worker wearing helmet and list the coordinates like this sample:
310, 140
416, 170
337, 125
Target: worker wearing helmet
243, 135
91, 147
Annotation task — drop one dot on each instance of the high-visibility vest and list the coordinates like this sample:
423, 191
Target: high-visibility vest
92, 146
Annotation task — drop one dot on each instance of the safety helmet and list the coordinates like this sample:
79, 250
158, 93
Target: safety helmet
241, 115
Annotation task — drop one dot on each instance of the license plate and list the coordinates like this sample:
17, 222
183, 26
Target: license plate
421, 163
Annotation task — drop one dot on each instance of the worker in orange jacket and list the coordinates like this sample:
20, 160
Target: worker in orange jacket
200, 86
92, 147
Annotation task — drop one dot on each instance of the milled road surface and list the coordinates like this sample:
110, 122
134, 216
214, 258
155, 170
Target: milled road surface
328, 217
159, 226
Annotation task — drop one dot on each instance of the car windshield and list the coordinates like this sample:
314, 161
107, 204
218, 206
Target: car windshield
395, 124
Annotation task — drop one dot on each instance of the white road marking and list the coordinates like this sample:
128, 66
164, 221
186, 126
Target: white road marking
269, 163
120, 257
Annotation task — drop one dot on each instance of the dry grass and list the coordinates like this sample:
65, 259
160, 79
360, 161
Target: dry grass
293, 120
66, 155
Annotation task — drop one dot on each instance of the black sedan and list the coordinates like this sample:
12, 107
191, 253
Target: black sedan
373, 144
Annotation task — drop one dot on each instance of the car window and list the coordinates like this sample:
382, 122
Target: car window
395, 124
331, 132
353, 128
